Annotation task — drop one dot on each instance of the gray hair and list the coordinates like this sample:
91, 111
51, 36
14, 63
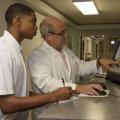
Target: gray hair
46, 27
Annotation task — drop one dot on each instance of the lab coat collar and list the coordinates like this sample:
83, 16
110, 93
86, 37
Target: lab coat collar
12, 42
57, 55
46, 45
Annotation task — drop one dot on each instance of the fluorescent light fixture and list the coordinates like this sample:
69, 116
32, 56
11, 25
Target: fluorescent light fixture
87, 7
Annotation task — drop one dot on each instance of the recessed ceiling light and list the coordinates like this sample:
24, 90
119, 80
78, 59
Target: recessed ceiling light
87, 7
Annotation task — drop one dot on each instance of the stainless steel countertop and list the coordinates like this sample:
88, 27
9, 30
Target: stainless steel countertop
87, 108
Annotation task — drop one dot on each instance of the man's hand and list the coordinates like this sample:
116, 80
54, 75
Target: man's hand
89, 89
62, 93
107, 63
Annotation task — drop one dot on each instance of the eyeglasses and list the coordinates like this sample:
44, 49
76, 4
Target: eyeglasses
59, 34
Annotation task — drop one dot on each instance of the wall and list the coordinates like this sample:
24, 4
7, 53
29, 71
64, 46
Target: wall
75, 38
28, 45
3, 6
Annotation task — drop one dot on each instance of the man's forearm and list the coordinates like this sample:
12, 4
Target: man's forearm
11, 104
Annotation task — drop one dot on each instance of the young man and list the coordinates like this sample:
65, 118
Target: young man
14, 97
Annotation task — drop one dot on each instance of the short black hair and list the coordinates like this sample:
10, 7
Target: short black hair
16, 9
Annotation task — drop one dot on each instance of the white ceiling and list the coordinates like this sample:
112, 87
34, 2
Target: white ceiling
109, 11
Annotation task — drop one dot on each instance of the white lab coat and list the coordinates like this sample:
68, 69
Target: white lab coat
48, 68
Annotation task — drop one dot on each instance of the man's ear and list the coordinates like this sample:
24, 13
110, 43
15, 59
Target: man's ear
47, 34
17, 21
47, 37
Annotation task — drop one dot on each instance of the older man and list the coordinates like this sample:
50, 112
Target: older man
53, 64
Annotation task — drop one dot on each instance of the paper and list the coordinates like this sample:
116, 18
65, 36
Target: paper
84, 95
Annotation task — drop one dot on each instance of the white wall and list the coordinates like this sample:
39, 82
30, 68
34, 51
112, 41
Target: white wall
3, 6
28, 45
